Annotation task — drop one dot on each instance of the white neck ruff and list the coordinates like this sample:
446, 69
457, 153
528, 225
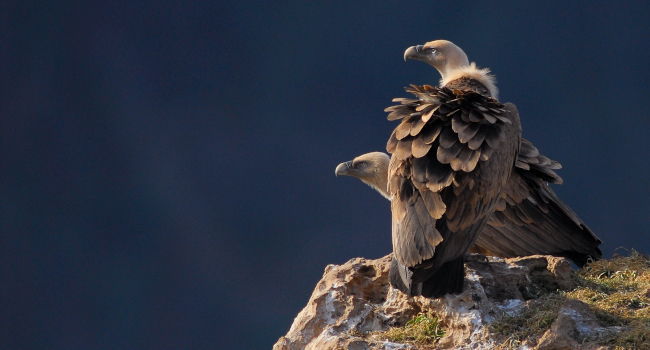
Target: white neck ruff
482, 75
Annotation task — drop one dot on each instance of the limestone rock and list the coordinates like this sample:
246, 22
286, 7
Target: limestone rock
353, 302
575, 326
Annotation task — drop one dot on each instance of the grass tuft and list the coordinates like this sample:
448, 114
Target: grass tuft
422, 329
530, 323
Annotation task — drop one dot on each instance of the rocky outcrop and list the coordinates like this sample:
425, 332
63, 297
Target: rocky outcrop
353, 304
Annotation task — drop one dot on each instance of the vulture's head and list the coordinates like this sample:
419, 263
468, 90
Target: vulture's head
442, 55
451, 62
371, 168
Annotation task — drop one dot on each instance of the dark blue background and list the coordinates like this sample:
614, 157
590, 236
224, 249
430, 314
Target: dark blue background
167, 167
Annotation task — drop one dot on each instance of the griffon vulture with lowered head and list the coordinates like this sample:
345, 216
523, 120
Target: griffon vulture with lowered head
528, 219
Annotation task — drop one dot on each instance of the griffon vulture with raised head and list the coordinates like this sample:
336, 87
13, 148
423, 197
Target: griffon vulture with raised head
452, 154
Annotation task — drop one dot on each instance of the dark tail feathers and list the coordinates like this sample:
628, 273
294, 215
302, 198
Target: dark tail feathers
449, 278
399, 276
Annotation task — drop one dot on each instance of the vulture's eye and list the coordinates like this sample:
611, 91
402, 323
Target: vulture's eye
362, 164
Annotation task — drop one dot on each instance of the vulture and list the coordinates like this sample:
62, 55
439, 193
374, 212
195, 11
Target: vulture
453, 155
529, 219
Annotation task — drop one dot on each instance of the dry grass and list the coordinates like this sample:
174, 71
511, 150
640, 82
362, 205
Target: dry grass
530, 323
617, 290
422, 329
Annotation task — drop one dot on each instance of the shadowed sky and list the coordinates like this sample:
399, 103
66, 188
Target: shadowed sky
167, 173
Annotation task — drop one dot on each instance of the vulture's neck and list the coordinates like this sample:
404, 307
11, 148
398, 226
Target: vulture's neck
379, 183
471, 78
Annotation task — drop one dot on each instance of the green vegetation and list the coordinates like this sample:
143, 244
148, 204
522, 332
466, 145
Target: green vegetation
617, 290
422, 329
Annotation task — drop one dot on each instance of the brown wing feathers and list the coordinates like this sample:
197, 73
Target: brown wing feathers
443, 134
530, 219
529, 158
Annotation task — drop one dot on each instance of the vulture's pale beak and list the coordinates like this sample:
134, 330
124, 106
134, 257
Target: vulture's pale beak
343, 168
414, 53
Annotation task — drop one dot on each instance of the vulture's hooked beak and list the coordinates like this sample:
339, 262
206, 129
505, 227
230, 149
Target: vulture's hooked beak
343, 168
414, 53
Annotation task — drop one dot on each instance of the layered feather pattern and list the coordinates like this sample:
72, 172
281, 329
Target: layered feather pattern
443, 137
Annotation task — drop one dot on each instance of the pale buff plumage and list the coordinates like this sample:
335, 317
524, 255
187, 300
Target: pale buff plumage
452, 63
371, 168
